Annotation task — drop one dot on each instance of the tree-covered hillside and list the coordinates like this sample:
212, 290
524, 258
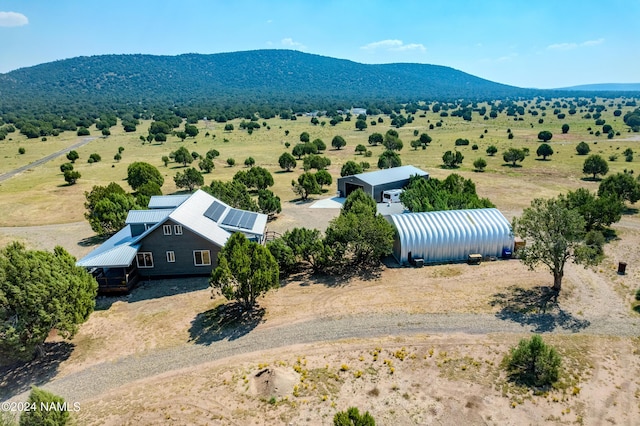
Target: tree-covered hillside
280, 78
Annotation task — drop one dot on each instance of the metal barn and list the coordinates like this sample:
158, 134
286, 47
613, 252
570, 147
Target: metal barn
450, 235
375, 183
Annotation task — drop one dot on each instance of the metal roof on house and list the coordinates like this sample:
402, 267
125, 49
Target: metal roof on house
117, 252
167, 201
393, 174
190, 214
120, 250
235, 220
147, 216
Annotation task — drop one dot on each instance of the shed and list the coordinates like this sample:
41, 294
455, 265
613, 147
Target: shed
450, 235
375, 183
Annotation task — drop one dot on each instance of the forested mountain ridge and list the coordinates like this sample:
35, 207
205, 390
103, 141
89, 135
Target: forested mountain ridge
606, 87
277, 77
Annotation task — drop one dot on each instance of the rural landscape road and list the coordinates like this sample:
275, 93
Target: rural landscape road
43, 160
100, 378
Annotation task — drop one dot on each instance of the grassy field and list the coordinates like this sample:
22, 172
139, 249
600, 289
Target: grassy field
446, 378
40, 195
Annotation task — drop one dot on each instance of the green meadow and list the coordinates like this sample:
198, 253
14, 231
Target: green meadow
41, 196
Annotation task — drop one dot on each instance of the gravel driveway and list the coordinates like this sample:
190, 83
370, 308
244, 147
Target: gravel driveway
100, 378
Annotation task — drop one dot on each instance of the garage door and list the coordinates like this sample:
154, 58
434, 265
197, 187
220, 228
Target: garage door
350, 187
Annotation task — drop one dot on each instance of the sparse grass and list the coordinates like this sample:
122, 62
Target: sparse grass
40, 191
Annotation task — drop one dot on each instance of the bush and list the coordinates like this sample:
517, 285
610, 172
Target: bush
480, 164
42, 399
462, 142
21, 150
71, 176
583, 148
353, 417
533, 363
8, 418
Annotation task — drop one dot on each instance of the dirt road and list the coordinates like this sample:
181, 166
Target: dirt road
43, 160
100, 378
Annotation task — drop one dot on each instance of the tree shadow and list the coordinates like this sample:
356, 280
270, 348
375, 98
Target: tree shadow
610, 235
590, 179
225, 322
301, 202
512, 166
336, 276
92, 241
630, 211
537, 307
340, 275
20, 376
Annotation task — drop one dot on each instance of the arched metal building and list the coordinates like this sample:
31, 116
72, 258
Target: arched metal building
450, 235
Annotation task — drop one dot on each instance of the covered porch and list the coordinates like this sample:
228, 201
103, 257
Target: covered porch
116, 280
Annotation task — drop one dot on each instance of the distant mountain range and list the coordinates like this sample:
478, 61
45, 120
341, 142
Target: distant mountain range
606, 87
278, 78
254, 76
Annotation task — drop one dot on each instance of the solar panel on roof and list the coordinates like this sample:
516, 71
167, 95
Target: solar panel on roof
231, 218
240, 219
248, 219
214, 211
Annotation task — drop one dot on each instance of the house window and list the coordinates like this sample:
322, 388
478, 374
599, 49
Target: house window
171, 257
177, 229
145, 259
201, 257
167, 229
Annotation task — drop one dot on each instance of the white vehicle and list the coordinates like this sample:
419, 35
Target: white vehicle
391, 195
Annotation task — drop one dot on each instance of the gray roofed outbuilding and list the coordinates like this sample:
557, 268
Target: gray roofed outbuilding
375, 183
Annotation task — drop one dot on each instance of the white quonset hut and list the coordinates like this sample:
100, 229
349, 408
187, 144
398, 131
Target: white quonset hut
450, 235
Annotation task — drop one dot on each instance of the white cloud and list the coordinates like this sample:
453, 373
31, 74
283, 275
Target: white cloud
288, 42
394, 46
562, 46
12, 19
571, 46
593, 42
507, 58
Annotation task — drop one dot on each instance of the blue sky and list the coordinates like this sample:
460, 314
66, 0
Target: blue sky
543, 44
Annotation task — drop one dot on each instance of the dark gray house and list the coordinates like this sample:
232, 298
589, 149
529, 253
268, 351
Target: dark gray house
374, 183
180, 236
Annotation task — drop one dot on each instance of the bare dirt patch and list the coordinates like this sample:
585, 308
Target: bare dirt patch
453, 379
